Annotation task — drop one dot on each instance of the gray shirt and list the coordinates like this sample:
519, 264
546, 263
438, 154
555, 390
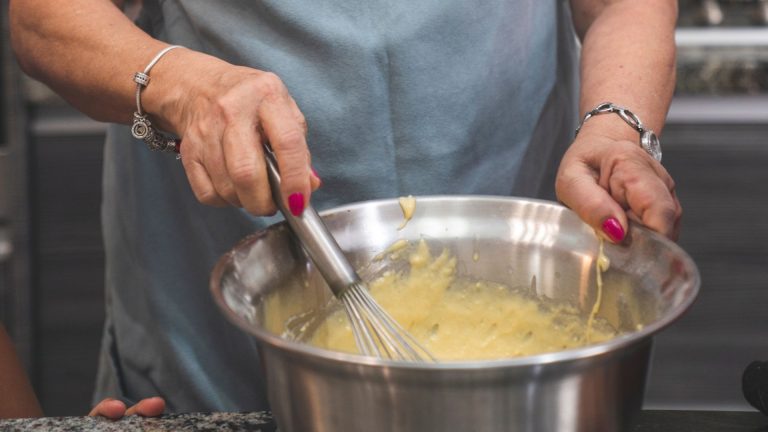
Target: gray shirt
401, 97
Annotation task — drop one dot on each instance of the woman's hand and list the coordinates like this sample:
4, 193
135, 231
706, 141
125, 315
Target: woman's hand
224, 113
607, 180
605, 176
114, 409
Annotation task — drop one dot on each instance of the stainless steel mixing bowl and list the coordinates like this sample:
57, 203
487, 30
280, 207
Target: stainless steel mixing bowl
540, 246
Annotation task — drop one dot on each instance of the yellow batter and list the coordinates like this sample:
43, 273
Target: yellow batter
408, 206
601, 266
458, 319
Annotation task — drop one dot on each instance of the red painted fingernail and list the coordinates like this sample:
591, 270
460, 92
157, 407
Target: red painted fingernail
177, 147
612, 228
296, 203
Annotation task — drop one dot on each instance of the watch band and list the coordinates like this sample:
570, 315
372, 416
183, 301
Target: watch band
648, 139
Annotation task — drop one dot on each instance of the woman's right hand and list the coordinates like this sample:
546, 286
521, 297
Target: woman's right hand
223, 113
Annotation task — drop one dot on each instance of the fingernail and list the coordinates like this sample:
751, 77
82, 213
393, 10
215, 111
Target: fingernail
612, 228
177, 146
296, 203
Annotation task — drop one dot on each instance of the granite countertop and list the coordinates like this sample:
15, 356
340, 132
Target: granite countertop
649, 421
224, 422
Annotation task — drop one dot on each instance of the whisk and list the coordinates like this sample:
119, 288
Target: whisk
376, 333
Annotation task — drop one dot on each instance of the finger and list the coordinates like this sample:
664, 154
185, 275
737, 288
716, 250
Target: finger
578, 189
246, 167
286, 136
315, 181
200, 147
639, 188
150, 407
216, 167
656, 208
201, 183
109, 408
679, 211
299, 116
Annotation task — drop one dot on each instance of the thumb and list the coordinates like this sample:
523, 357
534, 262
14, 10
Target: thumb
595, 206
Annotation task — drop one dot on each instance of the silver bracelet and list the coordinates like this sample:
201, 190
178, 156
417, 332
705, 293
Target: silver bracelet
648, 139
142, 128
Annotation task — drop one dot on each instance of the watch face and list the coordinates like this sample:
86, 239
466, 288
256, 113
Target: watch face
650, 143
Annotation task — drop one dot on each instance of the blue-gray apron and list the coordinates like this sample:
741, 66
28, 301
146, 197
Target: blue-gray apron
401, 97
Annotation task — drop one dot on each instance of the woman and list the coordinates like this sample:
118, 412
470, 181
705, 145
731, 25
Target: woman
384, 98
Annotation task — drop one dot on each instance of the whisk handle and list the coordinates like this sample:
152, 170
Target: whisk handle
314, 236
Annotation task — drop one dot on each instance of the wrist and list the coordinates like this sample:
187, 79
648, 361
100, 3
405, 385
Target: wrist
648, 141
608, 126
160, 100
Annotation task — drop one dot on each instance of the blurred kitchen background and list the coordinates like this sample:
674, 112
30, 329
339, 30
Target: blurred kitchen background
715, 146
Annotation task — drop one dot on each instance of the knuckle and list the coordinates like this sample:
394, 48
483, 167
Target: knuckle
566, 184
562, 184
226, 107
268, 84
261, 205
678, 213
302, 123
243, 173
207, 196
294, 163
631, 180
642, 199
290, 142
669, 215
227, 191
671, 185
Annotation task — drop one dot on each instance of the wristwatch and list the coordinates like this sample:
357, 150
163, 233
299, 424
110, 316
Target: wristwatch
648, 139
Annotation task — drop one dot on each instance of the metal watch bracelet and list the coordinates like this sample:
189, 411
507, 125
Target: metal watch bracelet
648, 139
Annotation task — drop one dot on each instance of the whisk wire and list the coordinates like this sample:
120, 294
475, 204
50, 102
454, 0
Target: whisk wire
375, 333
415, 350
362, 337
382, 345
393, 340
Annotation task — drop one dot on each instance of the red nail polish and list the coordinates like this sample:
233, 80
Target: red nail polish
177, 147
296, 203
612, 228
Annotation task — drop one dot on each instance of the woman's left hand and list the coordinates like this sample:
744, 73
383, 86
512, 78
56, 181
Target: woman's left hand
607, 180
114, 409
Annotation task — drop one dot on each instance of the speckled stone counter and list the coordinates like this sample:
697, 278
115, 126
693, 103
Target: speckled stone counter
224, 422
649, 421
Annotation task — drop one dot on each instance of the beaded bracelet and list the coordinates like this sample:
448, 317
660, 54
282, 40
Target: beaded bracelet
142, 128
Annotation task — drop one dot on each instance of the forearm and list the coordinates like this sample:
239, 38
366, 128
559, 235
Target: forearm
16, 396
87, 51
628, 58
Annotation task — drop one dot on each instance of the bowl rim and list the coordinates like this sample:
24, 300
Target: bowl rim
569, 355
